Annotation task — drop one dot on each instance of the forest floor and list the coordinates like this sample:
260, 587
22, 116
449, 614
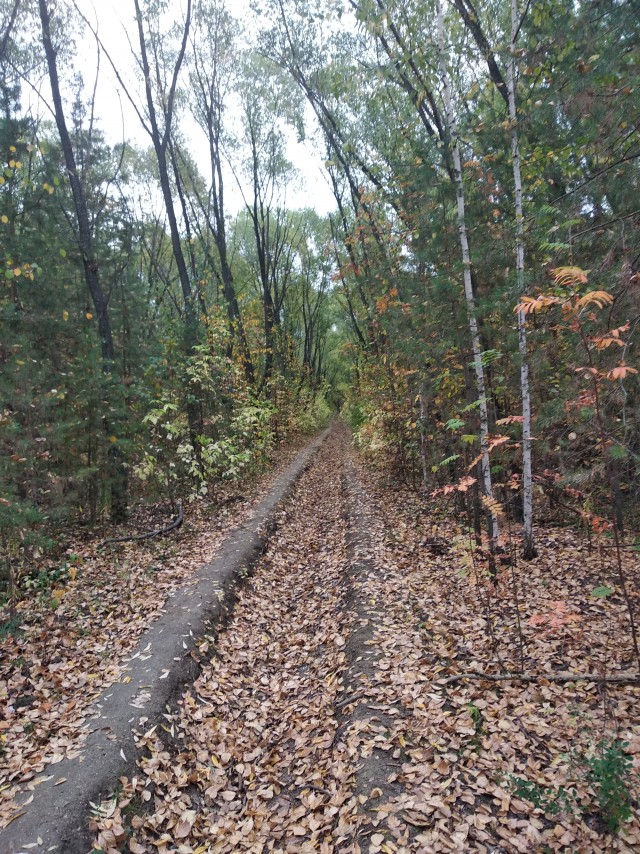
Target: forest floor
330, 716
84, 615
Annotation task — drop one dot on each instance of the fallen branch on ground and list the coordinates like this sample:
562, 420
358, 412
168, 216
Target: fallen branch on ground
535, 677
352, 698
160, 531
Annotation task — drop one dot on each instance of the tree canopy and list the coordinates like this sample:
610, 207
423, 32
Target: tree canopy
470, 304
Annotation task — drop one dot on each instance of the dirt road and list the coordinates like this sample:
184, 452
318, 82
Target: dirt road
322, 717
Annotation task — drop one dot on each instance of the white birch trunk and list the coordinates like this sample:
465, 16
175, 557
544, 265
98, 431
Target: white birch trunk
423, 437
527, 476
485, 463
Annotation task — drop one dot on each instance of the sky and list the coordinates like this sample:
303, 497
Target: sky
116, 26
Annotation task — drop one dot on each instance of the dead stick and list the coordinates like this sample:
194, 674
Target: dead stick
137, 537
352, 698
536, 677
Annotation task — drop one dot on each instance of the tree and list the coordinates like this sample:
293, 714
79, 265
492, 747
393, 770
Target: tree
8, 25
85, 239
527, 472
213, 59
268, 104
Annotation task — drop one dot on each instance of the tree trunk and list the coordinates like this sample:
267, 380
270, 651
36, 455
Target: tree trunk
160, 139
423, 436
485, 464
117, 470
529, 550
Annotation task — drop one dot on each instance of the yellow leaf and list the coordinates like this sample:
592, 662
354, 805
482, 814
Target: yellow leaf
5, 219
89, 316
600, 298
17, 271
569, 276
65, 315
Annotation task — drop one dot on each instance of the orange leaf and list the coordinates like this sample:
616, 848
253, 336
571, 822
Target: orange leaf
569, 276
620, 372
530, 305
600, 298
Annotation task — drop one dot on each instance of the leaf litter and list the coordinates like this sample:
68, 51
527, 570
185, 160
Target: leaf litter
442, 616
278, 745
246, 762
62, 658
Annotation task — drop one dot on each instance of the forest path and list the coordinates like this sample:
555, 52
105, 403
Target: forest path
52, 810
276, 746
324, 721
320, 718
294, 736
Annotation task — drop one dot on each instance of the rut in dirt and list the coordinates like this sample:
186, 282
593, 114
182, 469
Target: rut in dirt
326, 720
259, 765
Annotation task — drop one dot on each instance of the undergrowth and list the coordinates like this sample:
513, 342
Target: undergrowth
607, 772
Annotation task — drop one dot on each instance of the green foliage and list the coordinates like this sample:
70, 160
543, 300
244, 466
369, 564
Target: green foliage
601, 592
363, 312
551, 801
10, 627
48, 577
478, 724
245, 448
355, 415
607, 771
315, 415
237, 433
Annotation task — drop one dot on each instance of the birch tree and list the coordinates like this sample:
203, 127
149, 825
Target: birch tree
160, 88
508, 91
527, 474
269, 103
476, 348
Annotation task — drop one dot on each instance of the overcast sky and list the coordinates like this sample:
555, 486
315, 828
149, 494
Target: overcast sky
118, 120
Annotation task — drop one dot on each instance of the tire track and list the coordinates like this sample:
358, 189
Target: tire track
251, 764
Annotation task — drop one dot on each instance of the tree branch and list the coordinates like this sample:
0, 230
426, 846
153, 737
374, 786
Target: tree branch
630, 679
159, 532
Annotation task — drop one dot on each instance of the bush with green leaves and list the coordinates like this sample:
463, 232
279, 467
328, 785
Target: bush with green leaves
608, 772
236, 433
